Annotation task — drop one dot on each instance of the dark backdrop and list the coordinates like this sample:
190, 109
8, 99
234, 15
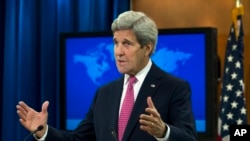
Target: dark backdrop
29, 46
2, 9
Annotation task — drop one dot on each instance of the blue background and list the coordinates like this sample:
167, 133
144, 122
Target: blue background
81, 89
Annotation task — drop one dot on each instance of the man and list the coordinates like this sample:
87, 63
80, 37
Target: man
161, 103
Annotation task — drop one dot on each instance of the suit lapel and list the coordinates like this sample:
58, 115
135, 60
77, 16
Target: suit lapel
148, 88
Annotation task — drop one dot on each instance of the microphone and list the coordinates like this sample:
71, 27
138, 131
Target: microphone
39, 128
114, 134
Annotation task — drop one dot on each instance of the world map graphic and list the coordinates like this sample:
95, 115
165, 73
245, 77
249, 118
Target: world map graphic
97, 60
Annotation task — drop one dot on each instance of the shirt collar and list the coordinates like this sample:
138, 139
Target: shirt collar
140, 76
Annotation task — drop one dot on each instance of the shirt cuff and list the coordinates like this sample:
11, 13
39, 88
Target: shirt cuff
44, 136
166, 136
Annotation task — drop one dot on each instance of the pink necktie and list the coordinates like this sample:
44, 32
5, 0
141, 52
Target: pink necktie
127, 107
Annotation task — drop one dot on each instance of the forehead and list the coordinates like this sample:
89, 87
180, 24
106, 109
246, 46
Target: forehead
124, 34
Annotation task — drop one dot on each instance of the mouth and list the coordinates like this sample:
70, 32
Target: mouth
120, 62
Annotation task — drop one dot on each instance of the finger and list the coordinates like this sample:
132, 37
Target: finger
150, 103
146, 122
146, 117
22, 122
24, 106
152, 112
149, 120
145, 125
151, 108
21, 115
21, 110
45, 107
145, 128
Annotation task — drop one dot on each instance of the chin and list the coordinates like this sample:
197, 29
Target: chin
122, 71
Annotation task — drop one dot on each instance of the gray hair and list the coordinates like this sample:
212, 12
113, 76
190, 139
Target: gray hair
143, 27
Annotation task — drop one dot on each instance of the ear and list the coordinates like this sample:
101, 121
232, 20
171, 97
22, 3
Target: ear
148, 49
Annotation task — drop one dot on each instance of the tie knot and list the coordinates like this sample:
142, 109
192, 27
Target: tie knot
132, 79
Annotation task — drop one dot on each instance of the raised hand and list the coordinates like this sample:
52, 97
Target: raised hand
31, 119
152, 122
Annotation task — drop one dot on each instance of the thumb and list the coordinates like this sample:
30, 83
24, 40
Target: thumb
150, 103
45, 106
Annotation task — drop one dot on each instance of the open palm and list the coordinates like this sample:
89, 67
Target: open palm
30, 118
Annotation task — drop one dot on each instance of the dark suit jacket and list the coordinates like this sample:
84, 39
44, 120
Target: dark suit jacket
171, 96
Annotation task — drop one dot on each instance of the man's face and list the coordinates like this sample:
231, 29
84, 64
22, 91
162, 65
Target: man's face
130, 56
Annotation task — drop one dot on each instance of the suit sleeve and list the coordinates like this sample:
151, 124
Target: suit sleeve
84, 132
182, 123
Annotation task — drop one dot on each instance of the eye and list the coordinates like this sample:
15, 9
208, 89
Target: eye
126, 43
115, 42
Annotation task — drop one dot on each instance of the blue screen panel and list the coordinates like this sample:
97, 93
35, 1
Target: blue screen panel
90, 63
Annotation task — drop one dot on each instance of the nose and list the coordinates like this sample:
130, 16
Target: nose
118, 49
